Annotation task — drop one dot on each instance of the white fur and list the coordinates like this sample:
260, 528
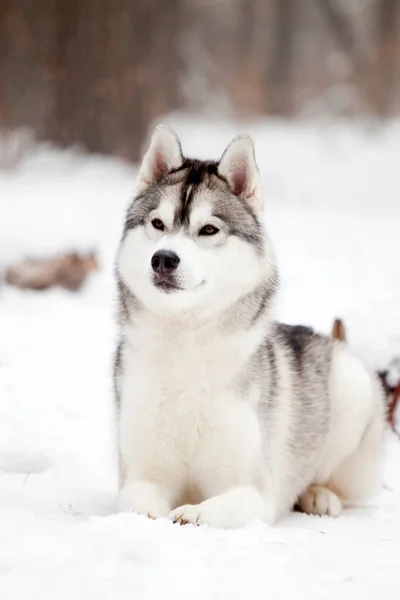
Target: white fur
233, 508
353, 455
181, 425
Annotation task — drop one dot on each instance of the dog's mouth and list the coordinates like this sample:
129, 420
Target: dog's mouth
166, 285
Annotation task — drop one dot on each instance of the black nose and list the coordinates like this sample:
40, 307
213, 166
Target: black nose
165, 261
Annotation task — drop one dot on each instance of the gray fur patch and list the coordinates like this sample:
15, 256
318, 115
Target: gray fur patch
117, 372
192, 178
310, 356
127, 302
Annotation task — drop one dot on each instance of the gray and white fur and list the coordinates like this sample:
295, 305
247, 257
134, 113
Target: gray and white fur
224, 414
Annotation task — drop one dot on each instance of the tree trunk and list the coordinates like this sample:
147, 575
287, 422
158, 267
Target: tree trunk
278, 78
384, 67
87, 71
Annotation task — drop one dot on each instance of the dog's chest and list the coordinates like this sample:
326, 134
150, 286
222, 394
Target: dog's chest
187, 361
182, 372
178, 388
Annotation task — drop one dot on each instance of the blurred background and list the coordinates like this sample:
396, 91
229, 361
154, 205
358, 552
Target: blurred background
98, 72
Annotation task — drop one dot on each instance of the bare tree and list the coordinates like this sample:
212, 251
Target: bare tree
384, 67
278, 77
374, 68
89, 71
341, 27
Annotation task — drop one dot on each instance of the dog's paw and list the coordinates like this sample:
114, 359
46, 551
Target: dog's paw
200, 514
233, 509
188, 514
143, 498
318, 500
209, 514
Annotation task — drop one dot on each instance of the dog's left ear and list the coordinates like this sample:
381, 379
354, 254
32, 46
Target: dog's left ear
238, 166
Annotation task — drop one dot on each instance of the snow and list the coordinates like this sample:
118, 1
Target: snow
332, 205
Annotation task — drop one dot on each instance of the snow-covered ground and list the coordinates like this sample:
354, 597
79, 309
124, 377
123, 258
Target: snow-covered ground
332, 204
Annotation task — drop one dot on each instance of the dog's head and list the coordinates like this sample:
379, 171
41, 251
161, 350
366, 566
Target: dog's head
193, 237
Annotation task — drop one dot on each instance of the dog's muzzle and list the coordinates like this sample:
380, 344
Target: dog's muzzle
164, 263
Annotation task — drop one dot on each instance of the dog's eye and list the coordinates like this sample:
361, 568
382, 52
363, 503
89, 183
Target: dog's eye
208, 230
158, 224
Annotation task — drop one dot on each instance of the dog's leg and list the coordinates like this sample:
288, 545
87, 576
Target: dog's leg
230, 471
232, 509
145, 497
358, 417
358, 477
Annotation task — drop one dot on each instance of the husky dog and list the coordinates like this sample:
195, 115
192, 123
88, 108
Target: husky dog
226, 415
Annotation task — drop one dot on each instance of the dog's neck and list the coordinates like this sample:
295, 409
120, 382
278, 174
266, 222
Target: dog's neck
256, 309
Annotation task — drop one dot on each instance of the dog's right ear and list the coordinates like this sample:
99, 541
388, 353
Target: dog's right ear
163, 155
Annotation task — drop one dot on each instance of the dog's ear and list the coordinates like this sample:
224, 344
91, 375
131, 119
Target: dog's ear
164, 155
238, 166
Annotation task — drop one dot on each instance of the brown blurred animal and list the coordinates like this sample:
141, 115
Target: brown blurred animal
68, 271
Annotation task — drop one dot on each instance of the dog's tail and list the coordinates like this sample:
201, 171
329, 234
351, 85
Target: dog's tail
338, 331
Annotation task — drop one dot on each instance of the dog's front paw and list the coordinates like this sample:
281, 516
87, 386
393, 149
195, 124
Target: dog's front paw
143, 498
318, 500
232, 509
186, 514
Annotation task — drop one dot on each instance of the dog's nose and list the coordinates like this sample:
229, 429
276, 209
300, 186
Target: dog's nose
165, 261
